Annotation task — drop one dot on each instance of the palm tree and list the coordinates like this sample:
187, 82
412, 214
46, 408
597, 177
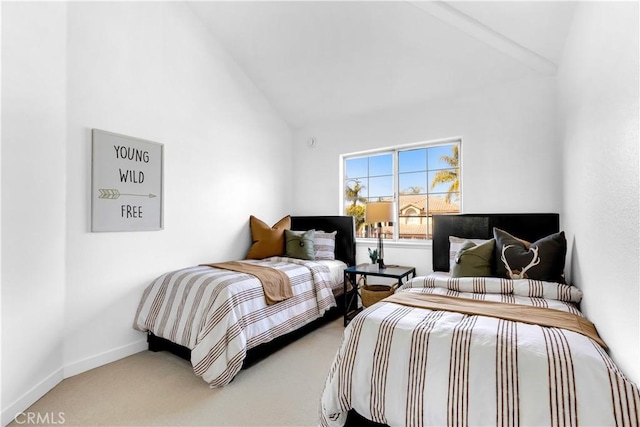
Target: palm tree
352, 194
452, 176
412, 190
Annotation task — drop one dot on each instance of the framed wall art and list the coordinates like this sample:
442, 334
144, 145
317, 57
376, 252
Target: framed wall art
126, 183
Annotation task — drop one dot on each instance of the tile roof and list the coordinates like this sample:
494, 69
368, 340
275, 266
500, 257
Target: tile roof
437, 204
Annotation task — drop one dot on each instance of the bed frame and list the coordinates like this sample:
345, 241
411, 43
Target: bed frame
527, 226
530, 227
345, 237
345, 251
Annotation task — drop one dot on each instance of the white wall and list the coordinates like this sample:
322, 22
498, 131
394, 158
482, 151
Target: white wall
152, 71
598, 93
148, 70
33, 200
511, 160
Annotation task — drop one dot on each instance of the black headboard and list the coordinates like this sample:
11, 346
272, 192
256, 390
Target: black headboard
345, 236
530, 227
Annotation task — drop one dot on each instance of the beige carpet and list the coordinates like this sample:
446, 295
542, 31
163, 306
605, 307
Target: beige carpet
149, 389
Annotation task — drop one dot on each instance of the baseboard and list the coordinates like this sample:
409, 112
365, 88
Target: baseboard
104, 358
31, 396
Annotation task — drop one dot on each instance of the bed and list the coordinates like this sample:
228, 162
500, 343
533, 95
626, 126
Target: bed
480, 350
223, 318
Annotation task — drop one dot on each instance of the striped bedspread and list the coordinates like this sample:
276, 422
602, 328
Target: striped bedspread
409, 366
220, 314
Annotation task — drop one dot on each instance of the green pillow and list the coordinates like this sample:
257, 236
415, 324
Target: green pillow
299, 244
473, 260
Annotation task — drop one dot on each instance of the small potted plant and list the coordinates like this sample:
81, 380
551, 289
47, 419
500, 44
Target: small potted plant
373, 254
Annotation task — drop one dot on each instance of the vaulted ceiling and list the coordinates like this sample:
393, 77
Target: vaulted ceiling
320, 61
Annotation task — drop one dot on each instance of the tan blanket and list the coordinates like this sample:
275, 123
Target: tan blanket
276, 284
520, 313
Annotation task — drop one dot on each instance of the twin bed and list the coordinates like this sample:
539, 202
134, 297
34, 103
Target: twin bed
220, 320
440, 351
452, 348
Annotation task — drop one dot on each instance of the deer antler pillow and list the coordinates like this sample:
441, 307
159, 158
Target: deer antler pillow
541, 260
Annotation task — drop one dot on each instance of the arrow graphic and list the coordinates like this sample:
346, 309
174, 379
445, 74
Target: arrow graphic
112, 193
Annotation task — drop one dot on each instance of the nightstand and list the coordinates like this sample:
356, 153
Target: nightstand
351, 285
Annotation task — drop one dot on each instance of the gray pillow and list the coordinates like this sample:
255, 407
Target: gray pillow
473, 260
541, 260
299, 244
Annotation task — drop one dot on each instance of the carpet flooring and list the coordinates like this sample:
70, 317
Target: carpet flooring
160, 389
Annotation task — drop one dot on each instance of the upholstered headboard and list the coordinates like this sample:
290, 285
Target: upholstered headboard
530, 227
345, 236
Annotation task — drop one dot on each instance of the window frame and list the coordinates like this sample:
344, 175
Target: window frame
394, 151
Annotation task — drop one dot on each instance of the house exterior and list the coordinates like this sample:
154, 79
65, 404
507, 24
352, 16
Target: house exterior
415, 213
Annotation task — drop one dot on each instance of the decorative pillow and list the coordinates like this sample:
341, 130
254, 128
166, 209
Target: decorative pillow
541, 260
299, 244
455, 243
473, 260
267, 241
325, 245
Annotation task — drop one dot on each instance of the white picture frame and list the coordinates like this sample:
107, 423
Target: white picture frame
126, 183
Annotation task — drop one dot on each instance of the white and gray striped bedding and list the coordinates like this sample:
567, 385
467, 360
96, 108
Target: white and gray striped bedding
406, 366
220, 314
336, 269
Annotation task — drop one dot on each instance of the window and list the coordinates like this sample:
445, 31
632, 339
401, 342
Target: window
421, 180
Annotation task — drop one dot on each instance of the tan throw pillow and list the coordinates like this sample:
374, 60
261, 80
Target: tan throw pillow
267, 241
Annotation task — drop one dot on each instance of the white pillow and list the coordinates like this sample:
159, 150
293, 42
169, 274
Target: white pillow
324, 245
